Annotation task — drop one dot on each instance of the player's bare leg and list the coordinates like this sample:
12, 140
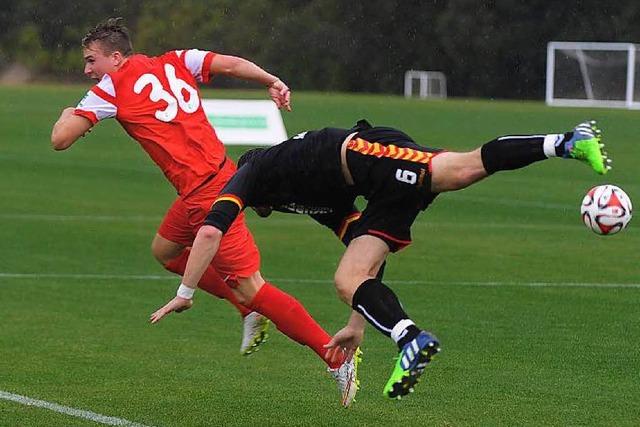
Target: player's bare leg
454, 171
360, 262
164, 250
173, 257
357, 285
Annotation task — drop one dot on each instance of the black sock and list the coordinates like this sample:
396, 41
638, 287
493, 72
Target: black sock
512, 152
560, 150
382, 309
412, 332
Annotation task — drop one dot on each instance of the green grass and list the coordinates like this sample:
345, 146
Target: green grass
513, 354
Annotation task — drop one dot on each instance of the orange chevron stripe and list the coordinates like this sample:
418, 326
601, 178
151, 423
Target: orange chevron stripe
367, 148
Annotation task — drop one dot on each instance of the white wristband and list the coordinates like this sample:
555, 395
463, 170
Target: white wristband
185, 291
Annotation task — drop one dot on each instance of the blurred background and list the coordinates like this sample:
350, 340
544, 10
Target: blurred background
494, 49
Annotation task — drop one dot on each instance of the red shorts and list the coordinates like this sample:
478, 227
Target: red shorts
238, 255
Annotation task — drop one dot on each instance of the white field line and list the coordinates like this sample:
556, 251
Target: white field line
79, 413
512, 202
81, 218
279, 221
87, 276
161, 277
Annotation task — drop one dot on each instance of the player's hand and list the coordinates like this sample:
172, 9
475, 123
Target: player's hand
177, 304
344, 342
281, 94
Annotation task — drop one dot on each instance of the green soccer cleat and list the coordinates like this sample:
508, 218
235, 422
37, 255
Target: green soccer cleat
254, 333
410, 365
585, 145
346, 377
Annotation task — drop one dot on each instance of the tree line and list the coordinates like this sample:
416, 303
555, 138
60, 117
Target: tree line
486, 48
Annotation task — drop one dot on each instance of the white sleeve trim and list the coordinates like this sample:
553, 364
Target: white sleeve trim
98, 106
194, 59
106, 84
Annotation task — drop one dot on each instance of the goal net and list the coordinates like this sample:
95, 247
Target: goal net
589, 74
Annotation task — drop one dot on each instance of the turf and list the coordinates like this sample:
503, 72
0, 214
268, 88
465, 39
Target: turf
504, 273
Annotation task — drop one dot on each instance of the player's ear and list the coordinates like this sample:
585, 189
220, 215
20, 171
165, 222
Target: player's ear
117, 58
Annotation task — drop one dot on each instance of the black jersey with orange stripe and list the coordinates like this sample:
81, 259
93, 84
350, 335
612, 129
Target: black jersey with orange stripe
370, 152
302, 174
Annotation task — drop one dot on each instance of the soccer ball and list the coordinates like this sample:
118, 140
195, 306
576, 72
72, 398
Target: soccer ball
606, 209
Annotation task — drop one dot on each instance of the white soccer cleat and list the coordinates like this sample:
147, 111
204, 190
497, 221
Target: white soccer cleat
346, 377
254, 332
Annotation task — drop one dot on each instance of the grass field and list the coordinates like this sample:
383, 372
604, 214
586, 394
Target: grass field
538, 317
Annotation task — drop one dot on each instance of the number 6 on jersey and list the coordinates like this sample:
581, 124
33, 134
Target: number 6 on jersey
407, 176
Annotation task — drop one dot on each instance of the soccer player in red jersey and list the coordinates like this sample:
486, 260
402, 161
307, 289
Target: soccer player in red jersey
156, 101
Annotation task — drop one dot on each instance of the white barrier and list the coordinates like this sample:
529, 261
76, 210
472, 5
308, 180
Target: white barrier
245, 122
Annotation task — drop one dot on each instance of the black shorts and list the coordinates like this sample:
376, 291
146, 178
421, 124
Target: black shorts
394, 175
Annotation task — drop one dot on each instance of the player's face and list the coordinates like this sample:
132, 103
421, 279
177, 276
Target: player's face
97, 63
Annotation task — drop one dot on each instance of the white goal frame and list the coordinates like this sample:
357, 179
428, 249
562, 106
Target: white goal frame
590, 101
426, 88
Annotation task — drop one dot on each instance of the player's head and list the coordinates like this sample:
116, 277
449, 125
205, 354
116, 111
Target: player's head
248, 156
105, 48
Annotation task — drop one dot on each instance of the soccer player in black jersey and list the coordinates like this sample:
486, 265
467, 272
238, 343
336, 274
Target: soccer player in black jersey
322, 172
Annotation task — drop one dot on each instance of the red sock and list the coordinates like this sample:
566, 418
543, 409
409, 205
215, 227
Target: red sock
292, 319
211, 281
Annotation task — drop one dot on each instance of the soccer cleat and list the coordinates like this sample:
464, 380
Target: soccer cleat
585, 146
346, 377
254, 332
410, 364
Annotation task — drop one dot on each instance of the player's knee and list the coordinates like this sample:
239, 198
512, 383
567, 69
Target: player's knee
248, 287
160, 253
346, 284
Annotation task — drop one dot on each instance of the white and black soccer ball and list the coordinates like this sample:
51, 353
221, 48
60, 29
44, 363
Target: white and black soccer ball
606, 209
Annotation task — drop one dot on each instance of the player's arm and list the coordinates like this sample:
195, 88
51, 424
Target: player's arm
204, 248
98, 104
348, 338
241, 68
224, 211
68, 129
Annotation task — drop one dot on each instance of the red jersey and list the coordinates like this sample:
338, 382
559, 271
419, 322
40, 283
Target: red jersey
156, 101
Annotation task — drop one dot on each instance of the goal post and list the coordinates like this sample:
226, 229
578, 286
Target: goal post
431, 84
593, 74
